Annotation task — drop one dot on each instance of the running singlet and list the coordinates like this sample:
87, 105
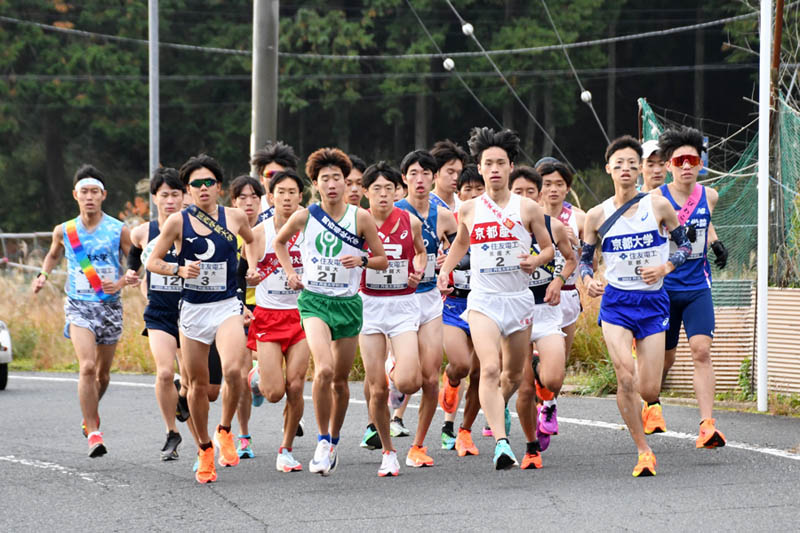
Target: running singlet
495, 250
323, 271
102, 248
399, 247
542, 276
431, 240
568, 218
695, 273
217, 279
631, 244
437, 200
459, 278
274, 292
163, 292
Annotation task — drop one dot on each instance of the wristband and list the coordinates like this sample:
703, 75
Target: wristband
364, 261
43, 273
562, 278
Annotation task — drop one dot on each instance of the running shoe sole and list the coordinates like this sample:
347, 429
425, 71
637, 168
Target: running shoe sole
716, 441
504, 462
98, 450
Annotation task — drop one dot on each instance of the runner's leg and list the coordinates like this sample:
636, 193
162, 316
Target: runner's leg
83, 340
430, 357
318, 335
195, 373
163, 347
344, 353
231, 346
296, 369
704, 379
373, 353
486, 338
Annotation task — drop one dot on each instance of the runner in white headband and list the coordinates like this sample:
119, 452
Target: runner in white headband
89, 182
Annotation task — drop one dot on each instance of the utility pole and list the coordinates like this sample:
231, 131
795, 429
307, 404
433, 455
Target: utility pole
265, 73
152, 30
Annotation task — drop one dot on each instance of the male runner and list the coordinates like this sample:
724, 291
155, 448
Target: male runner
355, 191
497, 227
653, 166
273, 157
556, 185
391, 308
163, 299
689, 286
546, 335
332, 238
437, 223
635, 305
450, 160
276, 334
91, 242
458, 342
204, 238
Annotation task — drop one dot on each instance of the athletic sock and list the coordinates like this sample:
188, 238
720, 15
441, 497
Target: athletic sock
468, 430
205, 446
505, 439
226, 428
532, 447
335, 441
657, 402
448, 427
284, 448
321, 438
549, 403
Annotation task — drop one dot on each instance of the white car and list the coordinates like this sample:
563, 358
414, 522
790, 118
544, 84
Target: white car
5, 354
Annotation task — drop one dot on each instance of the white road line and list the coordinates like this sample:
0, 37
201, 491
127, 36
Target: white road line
576, 421
55, 467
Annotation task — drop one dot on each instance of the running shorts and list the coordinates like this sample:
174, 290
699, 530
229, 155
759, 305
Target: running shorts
695, 309
390, 315
281, 326
430, 305
644, 313
200, 321
103, 319
451, 314
510, 311
342, 314
547, 320
570, 307
162, 320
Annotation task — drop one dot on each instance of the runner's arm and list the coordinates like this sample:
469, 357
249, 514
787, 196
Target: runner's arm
295, 223
52, 258
594, 287
537, 226
447, 225
459, 247
170, 233
252, 253
126, 244
720, 252
369, 231
420, 260
666, 216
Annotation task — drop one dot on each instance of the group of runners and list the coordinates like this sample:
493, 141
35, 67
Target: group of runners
460, 254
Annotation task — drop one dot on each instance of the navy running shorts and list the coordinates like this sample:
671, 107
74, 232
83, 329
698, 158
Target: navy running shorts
163, 320
695, 310
644, 313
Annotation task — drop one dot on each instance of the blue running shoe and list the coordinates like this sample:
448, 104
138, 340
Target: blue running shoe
252, 379
503, 456
371, 440
508, 421
243, 448
448, 440
196, 464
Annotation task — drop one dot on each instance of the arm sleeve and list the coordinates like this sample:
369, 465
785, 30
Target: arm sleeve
679, 237
241, 282
587, 261
135, 258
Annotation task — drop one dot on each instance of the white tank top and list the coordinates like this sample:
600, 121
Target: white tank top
274, 292
572, 222
494, 250
323, 272
631, 244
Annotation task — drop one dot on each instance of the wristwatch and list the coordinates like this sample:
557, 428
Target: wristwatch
364, 261
176, 269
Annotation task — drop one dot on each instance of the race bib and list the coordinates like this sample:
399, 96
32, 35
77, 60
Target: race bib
277, 282
393, 278
327, 272
430, 269
630, 268
82, 285
213, 278
497, 257
162, 283
461, 279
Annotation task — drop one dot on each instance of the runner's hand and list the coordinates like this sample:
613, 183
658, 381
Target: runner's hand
442, 283
573, 239
252, 277
190, 270
295, 282
595, 288
553, 294
131, 277
440, 259
529, 263
110, 287
248, 316
414, 278
651, 275
350, 261
37, 283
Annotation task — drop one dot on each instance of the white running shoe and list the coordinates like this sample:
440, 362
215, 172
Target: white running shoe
321, 463
389, 465
397, 429
286, 463
334, 460
396, 398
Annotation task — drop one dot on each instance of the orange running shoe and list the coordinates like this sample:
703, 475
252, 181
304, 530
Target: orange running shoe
448, 396
83, 427
653, 419
464, 444
531, 461
96, 446
206, 471
418, 457
228, 456
646, 465
710, 436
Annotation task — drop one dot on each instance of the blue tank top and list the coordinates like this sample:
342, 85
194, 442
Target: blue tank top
102, 249
163, 292
217, 279
431, 240
695, 273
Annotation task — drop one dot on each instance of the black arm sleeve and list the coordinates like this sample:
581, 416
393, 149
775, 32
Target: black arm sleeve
241, 273
135, 258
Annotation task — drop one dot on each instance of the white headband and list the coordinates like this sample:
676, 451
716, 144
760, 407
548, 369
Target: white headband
89, 182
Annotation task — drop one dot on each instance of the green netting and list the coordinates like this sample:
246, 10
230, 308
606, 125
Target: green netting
787, 256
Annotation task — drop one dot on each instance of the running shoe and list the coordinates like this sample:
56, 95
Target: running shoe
487, 431
196, 464
418, 457
543, 438
321, 463
397, 428
710, 436
300, 428
252, 379
371, 440
646, 465
83, 427
206, 471
169, 451
227, 449
396, 398
532, 460
243, 447
96, 446
286, 462
507, 416
448, 396
448, 439
334, 459
464, 445
182, 407
548, 421
653, 419
503, 456
389, 465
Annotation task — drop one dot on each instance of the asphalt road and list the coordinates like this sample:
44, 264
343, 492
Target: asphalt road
48, 483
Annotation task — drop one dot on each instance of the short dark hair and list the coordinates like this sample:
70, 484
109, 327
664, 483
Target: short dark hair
288, 174
357, 163
274, 152
381, 168
423, 157
482, 138
445, 151
327, 157
201, 161
672, 139
240, 182
469, 175
548, 168
88, 171
626, 141
168, 176
525, 172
